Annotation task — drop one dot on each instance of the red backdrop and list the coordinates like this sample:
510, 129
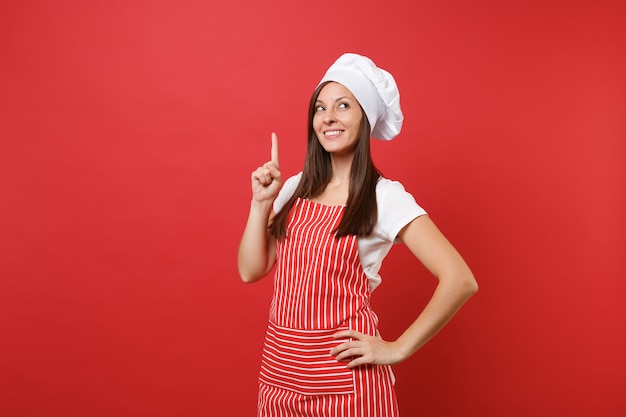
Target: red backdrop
128, 132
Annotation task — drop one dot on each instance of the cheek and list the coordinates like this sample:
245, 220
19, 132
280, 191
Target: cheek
356, 125
317, 121
356, 118
317, 125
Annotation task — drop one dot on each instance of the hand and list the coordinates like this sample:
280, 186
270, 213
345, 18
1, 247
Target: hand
266, 179
364, 349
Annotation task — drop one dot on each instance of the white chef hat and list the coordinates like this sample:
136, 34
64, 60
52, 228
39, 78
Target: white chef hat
374, 88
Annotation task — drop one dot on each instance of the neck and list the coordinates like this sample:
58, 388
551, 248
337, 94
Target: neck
341, 169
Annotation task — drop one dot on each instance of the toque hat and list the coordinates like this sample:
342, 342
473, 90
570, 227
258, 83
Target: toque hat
374, 88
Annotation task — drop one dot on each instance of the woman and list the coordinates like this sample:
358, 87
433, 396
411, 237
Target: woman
327, 229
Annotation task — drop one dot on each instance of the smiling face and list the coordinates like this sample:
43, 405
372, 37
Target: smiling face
337, 119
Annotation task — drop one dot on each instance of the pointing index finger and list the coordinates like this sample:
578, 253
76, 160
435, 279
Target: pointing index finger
275, 149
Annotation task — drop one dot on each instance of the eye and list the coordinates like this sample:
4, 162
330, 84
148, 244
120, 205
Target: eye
320, 108
343, 105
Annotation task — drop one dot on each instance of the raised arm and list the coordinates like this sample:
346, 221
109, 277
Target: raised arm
257, 249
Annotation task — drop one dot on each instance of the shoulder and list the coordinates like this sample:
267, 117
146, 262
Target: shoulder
292, 182
396, 207
386, 186
391, 192
289, 187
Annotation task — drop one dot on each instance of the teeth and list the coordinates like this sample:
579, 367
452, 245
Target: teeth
332, 132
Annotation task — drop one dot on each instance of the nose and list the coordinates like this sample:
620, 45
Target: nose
329, 117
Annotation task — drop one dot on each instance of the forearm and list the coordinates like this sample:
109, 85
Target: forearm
362, 349
447, 299
256, 257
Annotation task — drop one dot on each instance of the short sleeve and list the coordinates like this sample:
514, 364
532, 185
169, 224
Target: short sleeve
396, 209
289, 187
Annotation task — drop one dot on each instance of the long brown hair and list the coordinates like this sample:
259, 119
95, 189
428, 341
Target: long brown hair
361, 209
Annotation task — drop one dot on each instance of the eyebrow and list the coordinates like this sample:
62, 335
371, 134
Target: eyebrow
338, 99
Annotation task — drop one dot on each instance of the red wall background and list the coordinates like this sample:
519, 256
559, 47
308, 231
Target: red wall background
128, 131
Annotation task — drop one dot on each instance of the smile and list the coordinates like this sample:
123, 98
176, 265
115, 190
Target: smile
333, 133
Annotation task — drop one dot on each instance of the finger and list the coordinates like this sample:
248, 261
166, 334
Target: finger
271, 171
349, 354
348, 333
340, 348
357, 362
275, 149
271, 166
262, 175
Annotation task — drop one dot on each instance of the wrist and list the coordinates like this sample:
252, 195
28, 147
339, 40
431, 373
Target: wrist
402, 351
263, 205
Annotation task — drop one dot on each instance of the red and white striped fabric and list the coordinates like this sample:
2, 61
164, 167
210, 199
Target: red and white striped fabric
319, 289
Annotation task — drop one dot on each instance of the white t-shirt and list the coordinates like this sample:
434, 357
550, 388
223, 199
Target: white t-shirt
396, 209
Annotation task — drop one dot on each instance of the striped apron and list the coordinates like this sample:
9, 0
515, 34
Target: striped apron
319, 289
